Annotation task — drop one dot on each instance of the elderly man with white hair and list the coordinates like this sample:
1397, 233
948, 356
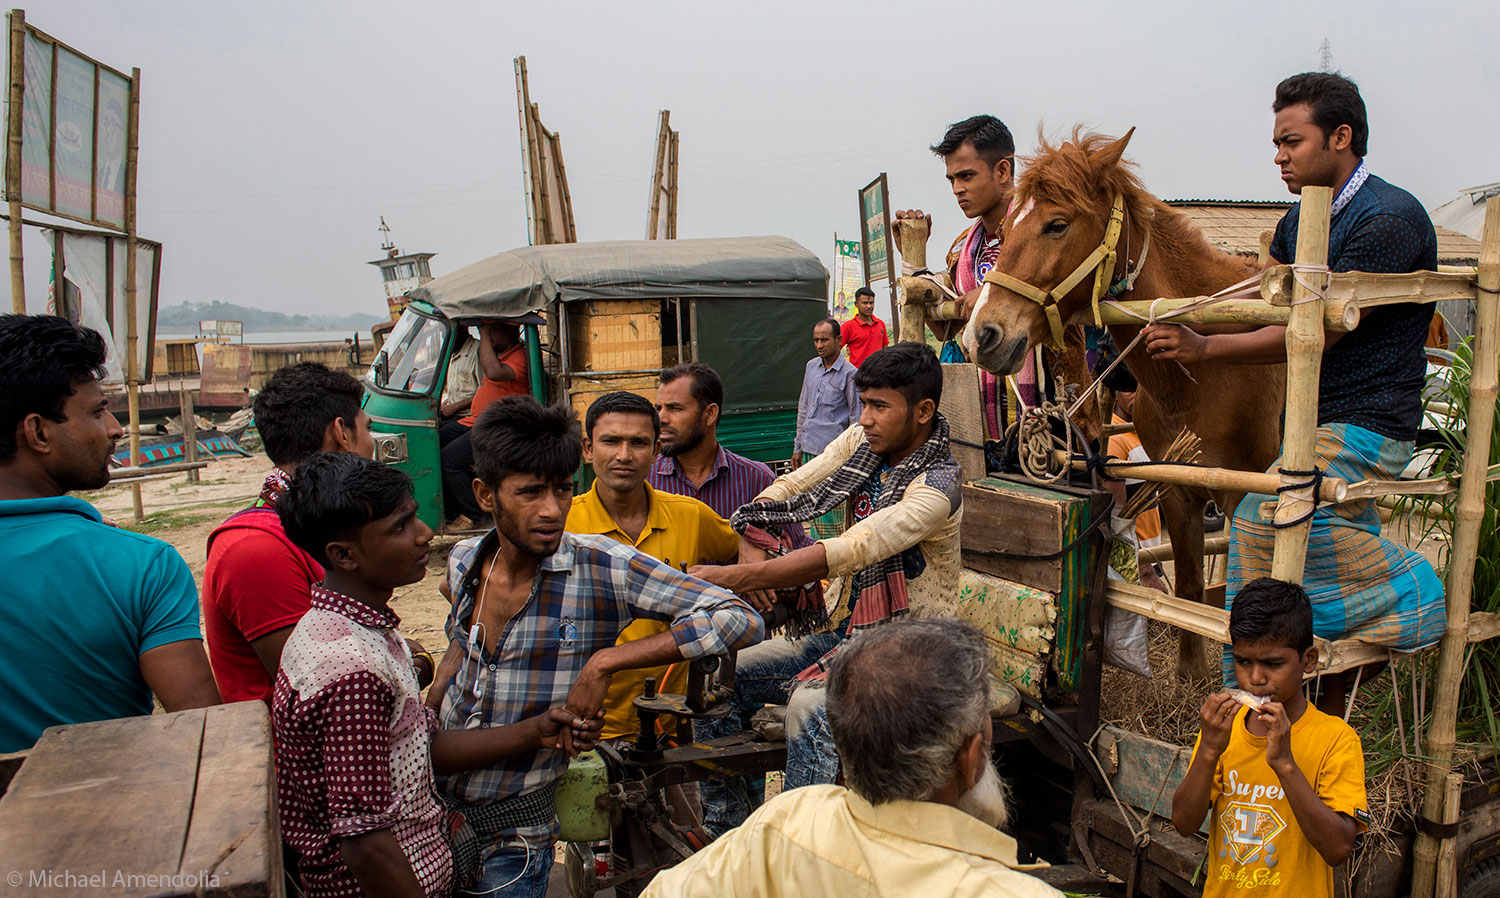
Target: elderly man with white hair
909, 707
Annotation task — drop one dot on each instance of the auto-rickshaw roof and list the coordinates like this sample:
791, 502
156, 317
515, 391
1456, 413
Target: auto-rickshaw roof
528, 279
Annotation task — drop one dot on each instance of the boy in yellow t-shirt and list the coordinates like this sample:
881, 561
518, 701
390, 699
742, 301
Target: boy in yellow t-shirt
1285, 781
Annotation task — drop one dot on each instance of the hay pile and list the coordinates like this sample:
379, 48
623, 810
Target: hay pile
1162, 707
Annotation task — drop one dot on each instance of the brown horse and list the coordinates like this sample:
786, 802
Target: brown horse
1062, 205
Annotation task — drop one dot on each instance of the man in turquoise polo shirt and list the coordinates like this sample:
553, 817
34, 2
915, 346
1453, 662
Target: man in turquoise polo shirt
96, 618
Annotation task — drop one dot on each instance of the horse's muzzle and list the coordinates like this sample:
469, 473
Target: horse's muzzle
996, 353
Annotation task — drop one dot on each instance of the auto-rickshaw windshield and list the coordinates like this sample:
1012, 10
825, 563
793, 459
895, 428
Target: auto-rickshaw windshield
412, 354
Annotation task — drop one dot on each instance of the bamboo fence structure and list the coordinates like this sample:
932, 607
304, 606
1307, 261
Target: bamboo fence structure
1426, 870
1309, 306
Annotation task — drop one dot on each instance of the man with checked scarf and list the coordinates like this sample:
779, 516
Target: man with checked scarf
900, 556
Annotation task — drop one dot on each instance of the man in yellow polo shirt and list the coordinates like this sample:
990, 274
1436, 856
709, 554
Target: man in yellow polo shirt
620, 441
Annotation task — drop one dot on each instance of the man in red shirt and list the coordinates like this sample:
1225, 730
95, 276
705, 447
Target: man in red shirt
502, 360
864, 334
257, 584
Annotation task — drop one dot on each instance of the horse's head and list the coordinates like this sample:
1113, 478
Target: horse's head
1059, 220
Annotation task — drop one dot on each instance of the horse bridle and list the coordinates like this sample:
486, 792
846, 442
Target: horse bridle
1101, 262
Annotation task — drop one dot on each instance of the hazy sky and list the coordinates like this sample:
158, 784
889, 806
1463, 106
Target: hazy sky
274, 135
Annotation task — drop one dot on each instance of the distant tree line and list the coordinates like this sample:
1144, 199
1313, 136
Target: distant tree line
185, 317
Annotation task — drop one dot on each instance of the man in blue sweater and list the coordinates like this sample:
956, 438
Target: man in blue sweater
1370, 389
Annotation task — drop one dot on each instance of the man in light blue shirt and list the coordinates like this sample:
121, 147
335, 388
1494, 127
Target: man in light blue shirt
828, 406
96, 618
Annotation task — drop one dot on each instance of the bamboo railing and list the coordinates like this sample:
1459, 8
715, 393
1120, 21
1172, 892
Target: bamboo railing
1308, 314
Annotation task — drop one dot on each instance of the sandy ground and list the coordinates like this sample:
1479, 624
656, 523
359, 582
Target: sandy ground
184, 514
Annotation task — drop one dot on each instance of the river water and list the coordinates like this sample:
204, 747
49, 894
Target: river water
258, 337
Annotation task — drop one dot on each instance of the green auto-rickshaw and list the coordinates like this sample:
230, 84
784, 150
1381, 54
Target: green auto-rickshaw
615, 313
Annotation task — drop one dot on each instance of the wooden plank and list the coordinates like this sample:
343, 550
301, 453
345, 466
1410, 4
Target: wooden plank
963, 408
115, 795
233, 835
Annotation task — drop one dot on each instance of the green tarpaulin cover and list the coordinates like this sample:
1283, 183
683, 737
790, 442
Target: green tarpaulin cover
528, 279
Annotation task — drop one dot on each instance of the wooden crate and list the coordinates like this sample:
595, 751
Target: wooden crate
1008, 519
586, 389
614, 335
165, 805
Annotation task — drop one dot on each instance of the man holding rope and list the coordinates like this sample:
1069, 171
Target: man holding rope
900, 554
1370, 391
979, 158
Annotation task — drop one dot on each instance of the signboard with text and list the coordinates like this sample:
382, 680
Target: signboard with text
875, 228
75, 115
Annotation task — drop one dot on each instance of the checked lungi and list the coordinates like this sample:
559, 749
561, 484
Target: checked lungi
1362, 586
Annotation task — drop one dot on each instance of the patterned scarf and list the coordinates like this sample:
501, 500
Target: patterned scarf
879, 591
276, 483
975, 259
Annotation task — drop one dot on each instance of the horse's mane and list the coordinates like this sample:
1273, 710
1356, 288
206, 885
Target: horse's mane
1070, 174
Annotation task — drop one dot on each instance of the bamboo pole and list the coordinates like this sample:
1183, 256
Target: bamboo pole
915, 292
1339, 316
1213, 545
13, 159
1332, 489
176, 467
1447, 860
1304, 356
1212, 622
1467, 517
132, 335
1368, 291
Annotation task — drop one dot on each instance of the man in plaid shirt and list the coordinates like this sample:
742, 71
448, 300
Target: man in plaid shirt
536, 612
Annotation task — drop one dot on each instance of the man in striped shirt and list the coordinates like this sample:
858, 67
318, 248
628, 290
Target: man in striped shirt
536, 613
692, 463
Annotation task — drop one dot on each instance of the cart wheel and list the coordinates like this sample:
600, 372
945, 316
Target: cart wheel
1483, 881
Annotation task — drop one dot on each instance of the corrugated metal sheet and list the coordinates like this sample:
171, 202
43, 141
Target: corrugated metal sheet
1235, 226
1465, 212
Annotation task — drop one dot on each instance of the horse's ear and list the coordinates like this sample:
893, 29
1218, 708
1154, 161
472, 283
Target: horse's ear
1110, 155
